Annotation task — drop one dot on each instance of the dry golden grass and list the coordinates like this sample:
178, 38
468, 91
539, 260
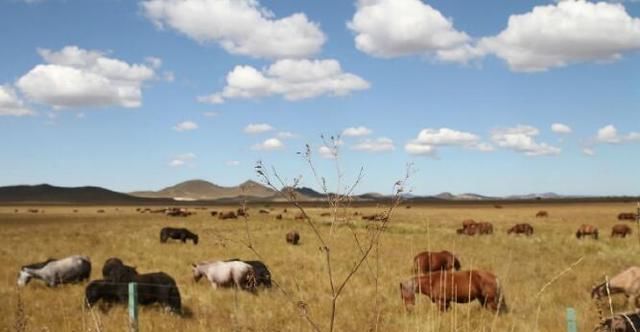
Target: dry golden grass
524, 266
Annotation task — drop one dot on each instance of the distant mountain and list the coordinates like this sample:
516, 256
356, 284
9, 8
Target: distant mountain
204, 190
548, 195
45, 193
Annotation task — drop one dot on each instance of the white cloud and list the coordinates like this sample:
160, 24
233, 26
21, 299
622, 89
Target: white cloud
232, 163
560, 128
567, 32
522, 139
286, 135
269, 145
185, 126
609, 134
588, 152
393, 28
154, 62
429, 139
239, 26
10, 104
380, 144
292, 79
356, 131
74, 77
327, 152
257, 128
182, 160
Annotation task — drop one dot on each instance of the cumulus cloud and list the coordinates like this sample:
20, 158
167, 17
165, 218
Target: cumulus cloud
239, 26
356, 131
269, 145
75, 77
185, 126
257, 128
292, 79
380, 144
522, 139
609, 134
394, 28
588, 152
556, 35
327, 152
560, 128
182, 160
10, 104
429, 140
286, 135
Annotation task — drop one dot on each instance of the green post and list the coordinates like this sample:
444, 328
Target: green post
571, 320
133, 307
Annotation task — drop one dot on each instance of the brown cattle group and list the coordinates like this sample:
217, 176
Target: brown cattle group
627, 216
471, 227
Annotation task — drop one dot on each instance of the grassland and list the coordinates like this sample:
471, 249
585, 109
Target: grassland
524, 266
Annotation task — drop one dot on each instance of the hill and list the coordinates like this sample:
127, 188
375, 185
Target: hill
205, 190
45, 193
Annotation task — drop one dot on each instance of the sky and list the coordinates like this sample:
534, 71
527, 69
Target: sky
489, 97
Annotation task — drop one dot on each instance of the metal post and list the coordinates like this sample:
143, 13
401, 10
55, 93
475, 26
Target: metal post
133, 307
571, 320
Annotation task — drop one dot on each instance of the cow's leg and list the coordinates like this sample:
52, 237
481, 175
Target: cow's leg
214, 285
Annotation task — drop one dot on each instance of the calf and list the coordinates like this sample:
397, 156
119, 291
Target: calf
293, 237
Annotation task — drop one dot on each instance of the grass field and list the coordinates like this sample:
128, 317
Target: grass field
523, 265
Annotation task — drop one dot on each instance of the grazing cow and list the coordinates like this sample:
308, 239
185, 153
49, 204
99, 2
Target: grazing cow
426, 262
460, 287
156, 287
356, 213
525, 229
620, 230
262, 211
227, 215
242, 212
225, 274
542, 214
374, 217
181, 234
57, 271
470, 230
279, 217
214, 213
293, 238
115, 270
497, 206
587, 230
178, 212
626, 282
33, 210
75, 211
285, 210
485, 228
15, 210
627, 322
408, 206
468, 223
627, 216
100, 211
263, 276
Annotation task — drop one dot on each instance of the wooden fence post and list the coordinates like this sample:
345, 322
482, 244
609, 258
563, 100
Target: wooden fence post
133, 307
571, 320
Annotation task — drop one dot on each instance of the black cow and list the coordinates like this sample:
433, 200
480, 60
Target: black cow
181, 234
115, 270
156, 287
263, 276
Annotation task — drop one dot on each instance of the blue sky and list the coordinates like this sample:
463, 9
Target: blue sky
135, 95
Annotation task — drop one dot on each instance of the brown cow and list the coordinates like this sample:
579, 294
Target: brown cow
542, 214
242, 212
262, 211
227, 215
428, 261
587, 230
525, 229
485, 228
293, 238
460, 287
627, 216
620, 230
279, 217
470, 230
214, 213
100, 211
468, 222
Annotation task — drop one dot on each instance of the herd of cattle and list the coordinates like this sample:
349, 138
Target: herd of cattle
437, 275
471, 227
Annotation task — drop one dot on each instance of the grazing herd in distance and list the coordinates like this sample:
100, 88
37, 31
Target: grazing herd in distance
437, 275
